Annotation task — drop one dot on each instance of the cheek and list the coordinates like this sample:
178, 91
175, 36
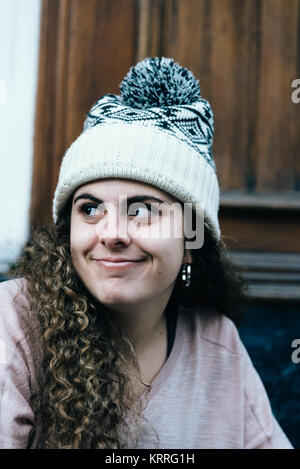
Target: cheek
81, 238
167, 255
166, 231
162, 240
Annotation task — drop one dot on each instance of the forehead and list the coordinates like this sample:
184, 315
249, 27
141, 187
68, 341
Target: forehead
111, 188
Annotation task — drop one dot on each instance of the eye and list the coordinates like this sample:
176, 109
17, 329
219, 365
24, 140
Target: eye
139, 209
91, 210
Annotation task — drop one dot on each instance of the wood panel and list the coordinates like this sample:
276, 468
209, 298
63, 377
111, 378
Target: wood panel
260, 230
287, 201
150, 15
86, 47
233, 75
261, 222
45, 115
187, 37
278, 124
210, 38
246, 54
270, 276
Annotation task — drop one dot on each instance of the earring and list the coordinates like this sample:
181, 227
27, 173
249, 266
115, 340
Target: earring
186, 274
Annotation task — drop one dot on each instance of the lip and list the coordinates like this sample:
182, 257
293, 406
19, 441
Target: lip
119, 259
117, 264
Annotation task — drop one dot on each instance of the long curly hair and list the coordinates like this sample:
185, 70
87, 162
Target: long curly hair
86, 388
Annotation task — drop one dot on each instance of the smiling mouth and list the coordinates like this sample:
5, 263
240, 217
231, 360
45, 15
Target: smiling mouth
117, 265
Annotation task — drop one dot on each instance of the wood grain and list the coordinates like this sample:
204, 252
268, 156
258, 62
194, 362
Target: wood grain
82, 57
278, 124
245, 53
270, 276
150, 15
45, 116
263, 230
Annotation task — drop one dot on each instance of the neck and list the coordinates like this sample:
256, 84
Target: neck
144, 325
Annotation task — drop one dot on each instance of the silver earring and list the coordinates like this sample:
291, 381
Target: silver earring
186, 274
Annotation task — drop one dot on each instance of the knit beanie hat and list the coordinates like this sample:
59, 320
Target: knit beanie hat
159, 131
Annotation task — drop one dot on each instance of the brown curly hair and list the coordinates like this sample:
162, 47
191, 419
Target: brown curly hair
87, 388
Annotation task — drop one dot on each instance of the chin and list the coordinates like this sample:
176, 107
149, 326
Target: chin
111, 299
117, 301
114, 293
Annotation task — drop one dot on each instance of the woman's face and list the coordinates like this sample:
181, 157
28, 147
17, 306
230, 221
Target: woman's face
123, 252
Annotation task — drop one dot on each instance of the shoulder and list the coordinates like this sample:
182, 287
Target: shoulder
214, 330
20, 365
13, 305
17, 323
10, 288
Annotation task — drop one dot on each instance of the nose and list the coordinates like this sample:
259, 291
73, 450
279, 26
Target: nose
112, 229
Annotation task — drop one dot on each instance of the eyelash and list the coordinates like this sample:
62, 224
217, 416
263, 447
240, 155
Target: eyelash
83, 207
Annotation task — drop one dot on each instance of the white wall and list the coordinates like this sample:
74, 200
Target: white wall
19, 41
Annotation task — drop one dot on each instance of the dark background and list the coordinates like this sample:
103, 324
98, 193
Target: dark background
268, 331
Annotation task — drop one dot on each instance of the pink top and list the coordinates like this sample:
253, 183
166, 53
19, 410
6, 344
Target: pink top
207, 395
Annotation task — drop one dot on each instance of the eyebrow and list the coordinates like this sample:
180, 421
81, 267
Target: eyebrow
133, 199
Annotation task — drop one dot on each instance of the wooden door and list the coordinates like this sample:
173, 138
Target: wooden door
246, 54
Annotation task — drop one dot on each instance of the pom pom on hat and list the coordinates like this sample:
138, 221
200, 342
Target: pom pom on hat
158, 82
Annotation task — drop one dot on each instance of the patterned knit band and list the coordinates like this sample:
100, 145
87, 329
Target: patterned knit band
159, 132
193, 124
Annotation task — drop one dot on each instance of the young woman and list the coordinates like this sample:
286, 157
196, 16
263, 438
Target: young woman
120, 324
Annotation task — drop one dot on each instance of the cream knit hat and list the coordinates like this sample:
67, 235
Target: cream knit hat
159, 132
